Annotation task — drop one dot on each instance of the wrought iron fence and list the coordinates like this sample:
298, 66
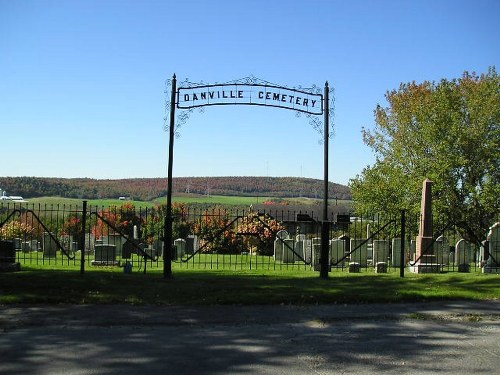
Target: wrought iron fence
131, 237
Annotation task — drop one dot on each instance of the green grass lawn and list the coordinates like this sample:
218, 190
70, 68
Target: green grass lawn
246, 287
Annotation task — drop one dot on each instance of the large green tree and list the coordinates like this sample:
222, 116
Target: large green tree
448, 132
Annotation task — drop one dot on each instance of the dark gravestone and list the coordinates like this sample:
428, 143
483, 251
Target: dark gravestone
8, 256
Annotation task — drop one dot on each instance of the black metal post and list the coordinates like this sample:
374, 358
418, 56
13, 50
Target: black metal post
167, 238
402, 264
325, 227
82, 238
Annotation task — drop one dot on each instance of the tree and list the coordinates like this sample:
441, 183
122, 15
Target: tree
448, 132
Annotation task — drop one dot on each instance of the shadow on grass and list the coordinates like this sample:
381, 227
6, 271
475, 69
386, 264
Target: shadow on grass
230, 287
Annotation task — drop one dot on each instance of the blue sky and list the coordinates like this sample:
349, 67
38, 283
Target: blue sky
82, 82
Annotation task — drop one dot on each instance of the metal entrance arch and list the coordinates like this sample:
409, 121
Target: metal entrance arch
249, 91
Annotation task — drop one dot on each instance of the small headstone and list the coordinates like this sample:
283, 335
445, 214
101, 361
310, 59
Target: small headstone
381, 267
354, 267
8, 257
105, 255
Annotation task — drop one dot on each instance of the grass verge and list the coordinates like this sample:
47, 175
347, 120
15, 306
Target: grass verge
193, 287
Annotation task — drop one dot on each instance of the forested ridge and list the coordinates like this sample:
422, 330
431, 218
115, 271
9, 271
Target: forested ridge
150, 188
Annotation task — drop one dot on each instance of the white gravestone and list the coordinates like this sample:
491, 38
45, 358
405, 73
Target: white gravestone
288, 251
337, 252
380, 251
396, 252
360, 255
493, 261
278, 244
463, 255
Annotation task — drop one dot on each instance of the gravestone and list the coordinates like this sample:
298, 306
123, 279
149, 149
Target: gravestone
192, 244
308, 251
299, 245
463, 255
180, 248
396, 252
493, 262
360, 255
380, 251
337, 252
115, 239
89, 243
34, 245
442, 251
49, 246
105, 255
8, 257
413, 249
26, 246
299, 248
316, 253
354, 267
128, 248
65, 241
158, 245
278, 244
17, 243
381, 267
288, 251
480, 255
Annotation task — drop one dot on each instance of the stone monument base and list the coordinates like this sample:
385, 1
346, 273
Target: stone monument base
115, 263
426, 268
491, 269
354, 267
381, 267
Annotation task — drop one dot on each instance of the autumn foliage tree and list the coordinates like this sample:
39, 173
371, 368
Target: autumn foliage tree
448, 132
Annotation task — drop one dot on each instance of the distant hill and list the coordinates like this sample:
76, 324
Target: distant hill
147, 189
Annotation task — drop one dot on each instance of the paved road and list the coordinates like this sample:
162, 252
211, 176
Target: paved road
426, 338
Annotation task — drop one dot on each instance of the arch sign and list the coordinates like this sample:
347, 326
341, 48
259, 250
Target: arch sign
254, 92
250, 94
